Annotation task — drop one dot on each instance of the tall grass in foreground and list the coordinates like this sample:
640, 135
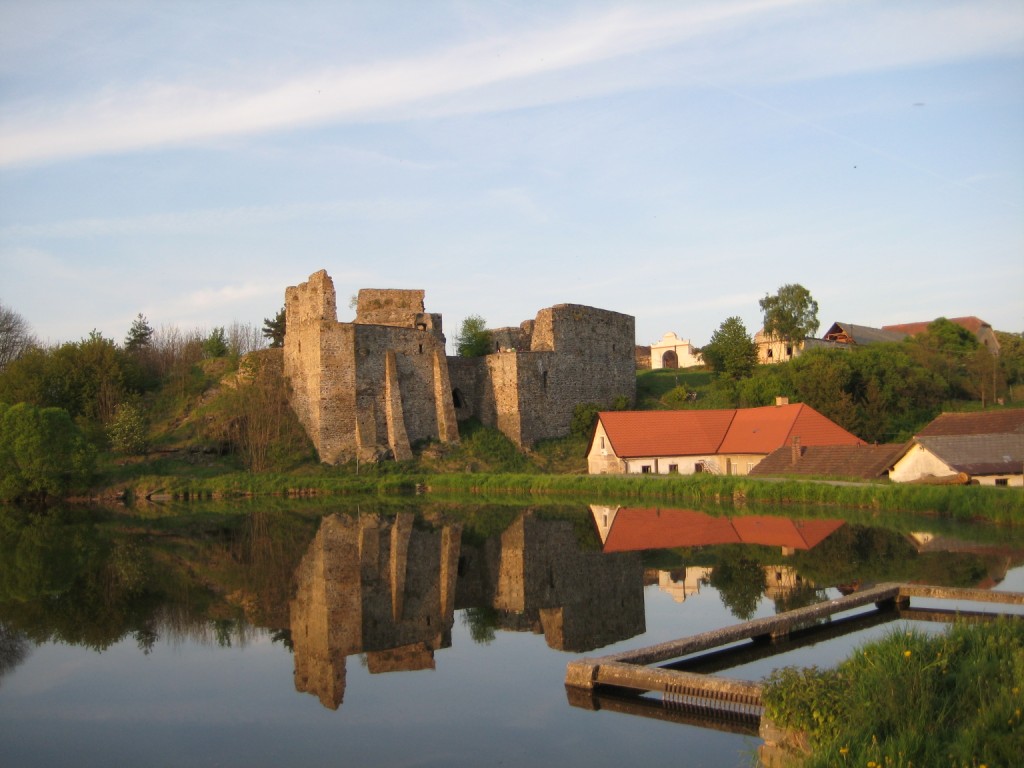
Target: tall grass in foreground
912, 699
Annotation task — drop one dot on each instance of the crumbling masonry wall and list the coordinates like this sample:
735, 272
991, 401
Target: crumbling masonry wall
570, 354
368, 389
371, 388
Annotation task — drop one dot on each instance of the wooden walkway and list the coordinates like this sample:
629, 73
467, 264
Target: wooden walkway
637, 671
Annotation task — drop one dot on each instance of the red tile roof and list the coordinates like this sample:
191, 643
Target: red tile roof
665, 433
742, 430
636, 528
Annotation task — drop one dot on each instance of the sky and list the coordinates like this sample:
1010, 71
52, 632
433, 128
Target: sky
675, 161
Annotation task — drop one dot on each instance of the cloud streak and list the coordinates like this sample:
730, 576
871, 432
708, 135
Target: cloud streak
716, 42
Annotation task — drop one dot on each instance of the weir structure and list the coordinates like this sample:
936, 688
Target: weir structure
688, 694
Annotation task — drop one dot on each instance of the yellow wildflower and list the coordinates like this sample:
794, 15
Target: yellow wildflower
906, 654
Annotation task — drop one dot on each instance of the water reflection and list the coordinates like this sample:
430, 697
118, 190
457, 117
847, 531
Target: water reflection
387, 586
789, 561
388, 589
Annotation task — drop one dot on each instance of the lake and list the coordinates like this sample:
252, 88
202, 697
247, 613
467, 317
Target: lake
410, 633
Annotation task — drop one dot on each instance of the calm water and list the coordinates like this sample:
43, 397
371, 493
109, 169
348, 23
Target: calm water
425, 636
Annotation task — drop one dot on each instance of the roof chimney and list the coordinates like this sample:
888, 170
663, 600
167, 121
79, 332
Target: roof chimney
797, 451
781, 401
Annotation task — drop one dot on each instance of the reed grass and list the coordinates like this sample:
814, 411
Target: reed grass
962, 503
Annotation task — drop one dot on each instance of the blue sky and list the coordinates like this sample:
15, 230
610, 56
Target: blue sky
672, 160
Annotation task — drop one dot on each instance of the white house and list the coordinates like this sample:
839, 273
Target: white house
985, 448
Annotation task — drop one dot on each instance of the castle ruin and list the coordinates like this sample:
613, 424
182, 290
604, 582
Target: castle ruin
372, 388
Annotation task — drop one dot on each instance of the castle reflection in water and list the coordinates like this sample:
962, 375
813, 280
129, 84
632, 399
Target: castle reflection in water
388, 588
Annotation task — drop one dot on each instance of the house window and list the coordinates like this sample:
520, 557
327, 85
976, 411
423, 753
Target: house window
602, 441
645, 469
1002, 481
673, 468
698, 467
771, 353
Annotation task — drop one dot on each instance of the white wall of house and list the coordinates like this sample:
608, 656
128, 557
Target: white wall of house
601, 459
736, 464
685, 354
672, 465
917, 463
1011, 481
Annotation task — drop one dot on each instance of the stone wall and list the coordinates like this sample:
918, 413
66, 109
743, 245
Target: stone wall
577, 354
372, 388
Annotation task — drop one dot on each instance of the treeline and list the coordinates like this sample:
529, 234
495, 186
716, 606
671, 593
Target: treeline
62, 405
881, 392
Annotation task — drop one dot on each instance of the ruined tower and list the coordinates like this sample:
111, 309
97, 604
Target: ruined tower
370, 388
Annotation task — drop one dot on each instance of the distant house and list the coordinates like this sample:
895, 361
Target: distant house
982, 331
728, 442
864, 461
673, 352
985, 448
772, 349
860, 335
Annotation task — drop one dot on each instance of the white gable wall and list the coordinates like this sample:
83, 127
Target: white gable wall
919, 462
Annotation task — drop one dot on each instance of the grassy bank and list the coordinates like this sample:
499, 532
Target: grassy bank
912, 699
999, 505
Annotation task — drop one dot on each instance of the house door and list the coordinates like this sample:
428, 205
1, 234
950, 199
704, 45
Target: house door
670, 360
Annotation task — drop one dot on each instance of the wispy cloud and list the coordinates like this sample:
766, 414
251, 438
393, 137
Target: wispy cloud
219, 220
557, 62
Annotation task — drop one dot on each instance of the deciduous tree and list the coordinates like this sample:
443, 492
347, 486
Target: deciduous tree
731, 351
791, 314
42, 452
15, 336
473, 339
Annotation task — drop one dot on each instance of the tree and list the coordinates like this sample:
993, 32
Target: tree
274, 328
139, 335
739, 580
473, 339
127, 430
15, 336
731, 351
42, 452
216, 344
791, 314
85, 378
